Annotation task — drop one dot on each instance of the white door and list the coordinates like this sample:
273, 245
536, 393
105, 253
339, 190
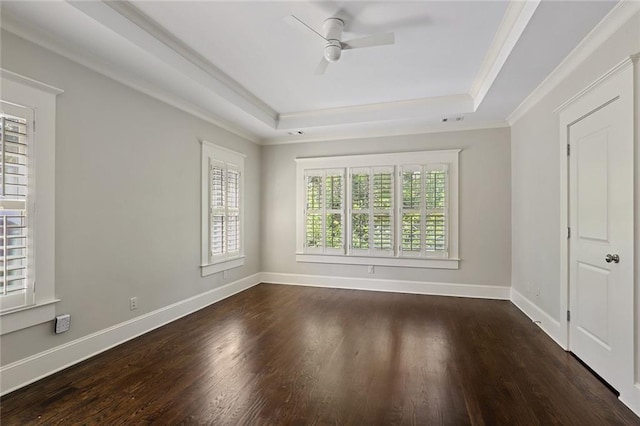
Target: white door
601, 257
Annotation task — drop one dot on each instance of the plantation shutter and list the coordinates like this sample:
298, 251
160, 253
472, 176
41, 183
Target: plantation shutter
233, 210
436, 193
14, 232
382, 211
411, 211
324, 211
360, 207
224, 184
314, 188
379, 206
334, 211
372, 211
424, 210
217, 175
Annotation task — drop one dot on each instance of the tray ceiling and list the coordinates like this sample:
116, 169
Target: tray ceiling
241, 65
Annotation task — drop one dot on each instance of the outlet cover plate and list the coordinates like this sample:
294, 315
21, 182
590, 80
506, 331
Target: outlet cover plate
63, 323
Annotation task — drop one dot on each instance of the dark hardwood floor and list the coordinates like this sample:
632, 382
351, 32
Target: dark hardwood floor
277, 355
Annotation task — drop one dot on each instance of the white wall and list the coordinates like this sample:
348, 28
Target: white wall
536, 204
485, 205
127, 200
535, 176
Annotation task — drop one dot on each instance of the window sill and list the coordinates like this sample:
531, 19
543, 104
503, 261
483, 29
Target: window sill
404, 262
27, 317
223, 265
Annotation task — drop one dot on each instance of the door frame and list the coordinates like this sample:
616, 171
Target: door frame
569, 113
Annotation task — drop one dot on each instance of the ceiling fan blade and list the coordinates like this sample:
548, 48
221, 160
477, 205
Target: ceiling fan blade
300, 25
369, 41
322, 66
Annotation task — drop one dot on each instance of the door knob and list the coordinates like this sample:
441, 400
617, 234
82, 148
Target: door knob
612, 258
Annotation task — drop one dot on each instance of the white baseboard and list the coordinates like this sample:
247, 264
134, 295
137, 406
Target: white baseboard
38, 366
631, 398
629, 394
547, 323
394, 286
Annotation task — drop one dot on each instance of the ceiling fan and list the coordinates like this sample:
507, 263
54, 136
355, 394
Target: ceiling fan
334, 45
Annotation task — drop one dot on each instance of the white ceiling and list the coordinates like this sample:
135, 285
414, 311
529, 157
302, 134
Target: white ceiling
241, 65
438, 50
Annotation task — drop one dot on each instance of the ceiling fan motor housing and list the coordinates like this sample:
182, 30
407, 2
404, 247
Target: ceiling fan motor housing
332, 51
333, 29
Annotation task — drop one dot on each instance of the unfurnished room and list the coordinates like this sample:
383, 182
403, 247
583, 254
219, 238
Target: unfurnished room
320, 212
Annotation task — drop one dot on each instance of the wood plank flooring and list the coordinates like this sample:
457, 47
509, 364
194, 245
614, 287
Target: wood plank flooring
280, 355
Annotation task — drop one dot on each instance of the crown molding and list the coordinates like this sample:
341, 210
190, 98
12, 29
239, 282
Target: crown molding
392, 129
129, 22
514, 22
48, 41
616, 18
427, 108
10, 75
627, 62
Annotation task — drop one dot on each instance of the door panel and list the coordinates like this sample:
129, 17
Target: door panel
593, 303
592, 185
601, 221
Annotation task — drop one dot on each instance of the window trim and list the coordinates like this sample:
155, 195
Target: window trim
41, 98
212, 152
396, 160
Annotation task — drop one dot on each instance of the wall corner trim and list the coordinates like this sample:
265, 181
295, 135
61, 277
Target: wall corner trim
546, 322
28, 370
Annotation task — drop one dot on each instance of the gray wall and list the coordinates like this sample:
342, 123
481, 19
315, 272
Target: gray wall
535, 177
128, 206
485, 206
127, 200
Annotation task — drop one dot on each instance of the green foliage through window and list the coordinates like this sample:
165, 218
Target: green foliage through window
360, 231
334, 231
324, 221
360, 191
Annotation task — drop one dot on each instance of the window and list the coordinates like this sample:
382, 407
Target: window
398, 209
16, 275
424, 210
222, 235
27, 202
325, 211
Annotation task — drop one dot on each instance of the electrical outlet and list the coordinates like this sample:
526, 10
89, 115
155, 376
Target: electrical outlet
372, 269
225, 274
133, 303
63, 323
